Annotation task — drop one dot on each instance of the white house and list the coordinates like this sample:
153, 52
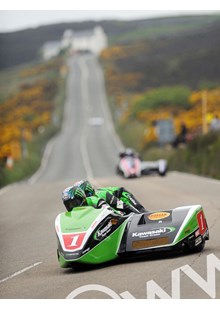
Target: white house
89, 40
94, 40
67, 38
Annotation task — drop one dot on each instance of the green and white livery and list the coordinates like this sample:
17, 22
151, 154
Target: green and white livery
88, 235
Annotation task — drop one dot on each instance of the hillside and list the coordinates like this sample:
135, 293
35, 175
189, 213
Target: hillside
23, 46
31, 109
160, 77
165, 76
154, 69
190, 59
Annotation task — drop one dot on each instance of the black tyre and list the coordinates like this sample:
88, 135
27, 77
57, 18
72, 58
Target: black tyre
188, 250
162, 174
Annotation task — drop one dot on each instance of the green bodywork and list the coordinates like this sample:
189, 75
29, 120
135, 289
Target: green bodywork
189, 227
105, 250
80, 220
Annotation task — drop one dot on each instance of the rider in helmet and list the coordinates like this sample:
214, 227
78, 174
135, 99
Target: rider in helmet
129, 153
86, 187
73, 197
117, 197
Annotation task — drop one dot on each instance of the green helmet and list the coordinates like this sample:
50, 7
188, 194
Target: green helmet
73, 197
86, 187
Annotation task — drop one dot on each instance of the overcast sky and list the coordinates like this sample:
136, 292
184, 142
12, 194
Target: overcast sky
22, 14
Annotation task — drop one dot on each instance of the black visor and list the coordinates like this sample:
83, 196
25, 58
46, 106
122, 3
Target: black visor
72, 203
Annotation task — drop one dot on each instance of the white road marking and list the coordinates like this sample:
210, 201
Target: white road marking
20, 271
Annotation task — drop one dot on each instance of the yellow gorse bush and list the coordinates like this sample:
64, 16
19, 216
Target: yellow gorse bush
192, 117
23, 113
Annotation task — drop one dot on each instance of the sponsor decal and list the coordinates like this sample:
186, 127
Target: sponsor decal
126, 195
104, 231
73, 228
201, 222
73, 241
114, 221
197, 233
198, 240
72, 254
153, 233
86, 250
120, 204
132, 200
187, 230
143, 244
158, 216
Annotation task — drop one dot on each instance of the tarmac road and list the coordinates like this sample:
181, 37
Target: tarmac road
82, 150
29, 267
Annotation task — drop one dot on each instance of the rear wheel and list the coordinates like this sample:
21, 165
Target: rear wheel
162, 174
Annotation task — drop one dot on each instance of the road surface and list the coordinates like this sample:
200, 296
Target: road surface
29, 267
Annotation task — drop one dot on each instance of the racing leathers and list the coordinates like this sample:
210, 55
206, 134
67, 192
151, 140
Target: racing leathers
117, 197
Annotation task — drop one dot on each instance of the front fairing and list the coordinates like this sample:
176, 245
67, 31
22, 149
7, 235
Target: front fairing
130, 166
85, 229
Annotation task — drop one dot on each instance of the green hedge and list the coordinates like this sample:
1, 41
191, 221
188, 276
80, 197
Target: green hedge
201, 156
163, 97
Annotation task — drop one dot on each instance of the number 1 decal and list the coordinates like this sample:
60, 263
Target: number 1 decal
73, 241
201, 222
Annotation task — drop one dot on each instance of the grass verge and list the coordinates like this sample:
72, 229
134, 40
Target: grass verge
26, 166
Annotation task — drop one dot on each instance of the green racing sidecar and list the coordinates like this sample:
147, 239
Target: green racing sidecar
88, 235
